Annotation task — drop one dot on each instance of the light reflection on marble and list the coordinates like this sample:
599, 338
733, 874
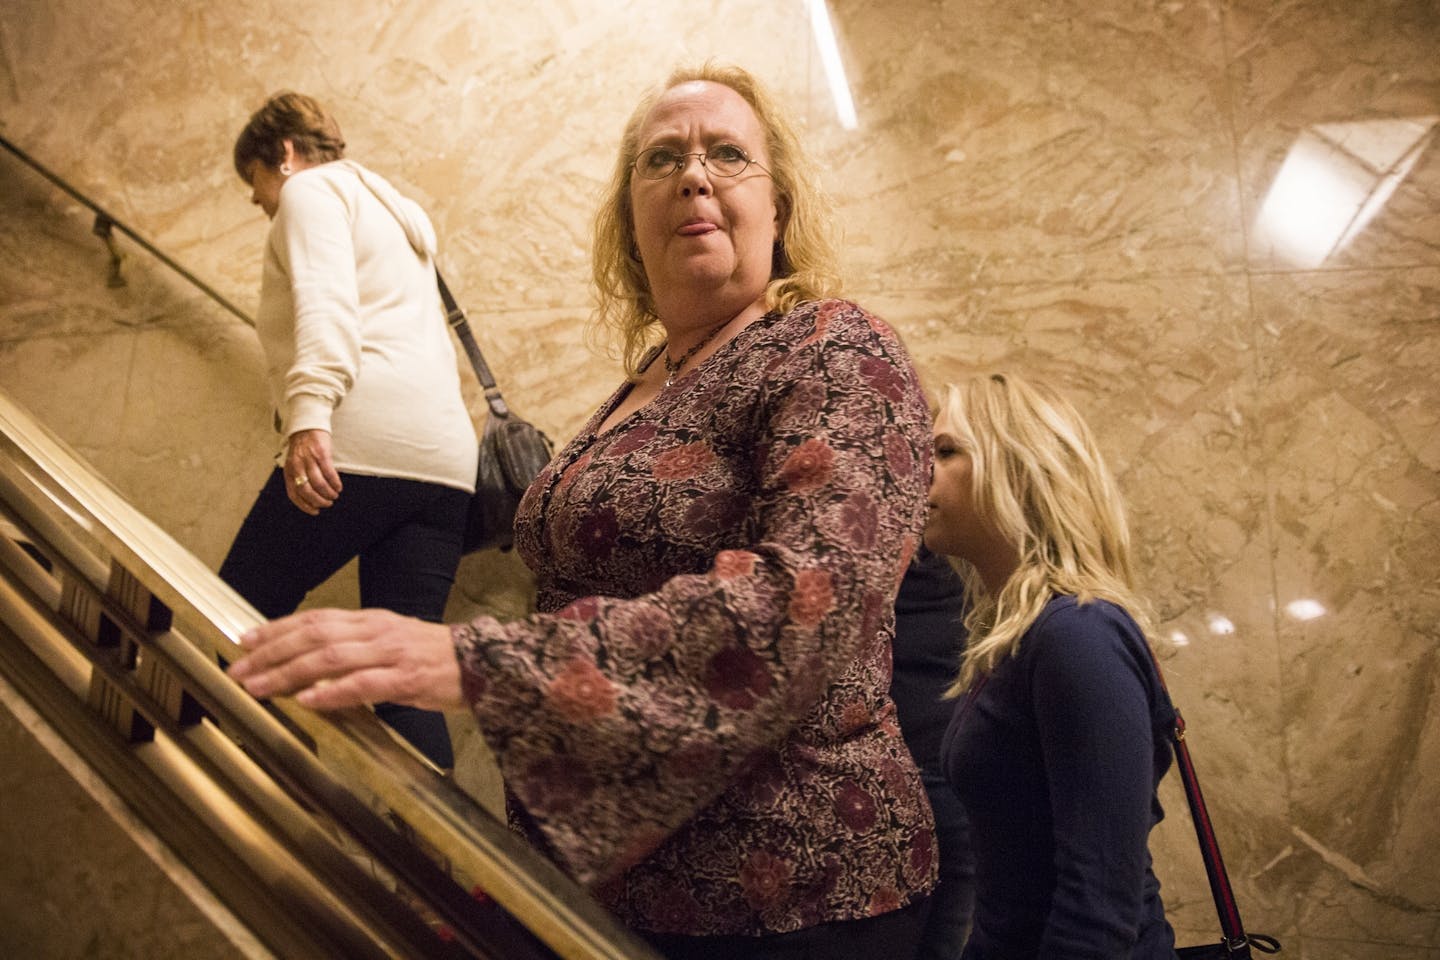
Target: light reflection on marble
1335, 179
1299, 66
1075, 190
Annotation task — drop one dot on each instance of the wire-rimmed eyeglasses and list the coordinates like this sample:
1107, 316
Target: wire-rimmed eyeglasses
721, 160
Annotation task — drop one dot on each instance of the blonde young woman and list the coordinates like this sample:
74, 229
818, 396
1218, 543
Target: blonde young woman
1060, 735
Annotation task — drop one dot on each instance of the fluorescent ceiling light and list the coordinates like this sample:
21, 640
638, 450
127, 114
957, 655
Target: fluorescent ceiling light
830, 57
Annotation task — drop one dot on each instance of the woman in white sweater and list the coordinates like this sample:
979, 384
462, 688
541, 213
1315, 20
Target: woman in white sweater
377, 452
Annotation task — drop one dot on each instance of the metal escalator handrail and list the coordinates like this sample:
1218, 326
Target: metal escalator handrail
210, 616
104, 220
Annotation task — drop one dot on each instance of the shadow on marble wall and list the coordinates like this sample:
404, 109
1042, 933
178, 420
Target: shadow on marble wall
1081, 191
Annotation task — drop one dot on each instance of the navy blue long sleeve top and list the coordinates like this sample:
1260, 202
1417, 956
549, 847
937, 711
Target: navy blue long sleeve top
929, 639
1056, 756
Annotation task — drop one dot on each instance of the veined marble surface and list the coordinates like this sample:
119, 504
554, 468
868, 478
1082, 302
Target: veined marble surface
1215, 223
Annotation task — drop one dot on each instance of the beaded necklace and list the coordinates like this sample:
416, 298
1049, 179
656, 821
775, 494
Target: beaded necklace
672, 367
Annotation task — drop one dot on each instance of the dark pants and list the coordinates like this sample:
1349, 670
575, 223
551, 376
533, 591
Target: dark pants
893, 934
953, 902
407, 536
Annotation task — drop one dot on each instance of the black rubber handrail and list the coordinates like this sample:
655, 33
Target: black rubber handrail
104, 222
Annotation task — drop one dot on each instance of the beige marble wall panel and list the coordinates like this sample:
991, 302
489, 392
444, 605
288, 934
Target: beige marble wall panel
1370, 951
195, 441
1063, 141
1351, 403
36, 301
74, 883
547, 366
536, 134
128, 99
1346, 72
81, 406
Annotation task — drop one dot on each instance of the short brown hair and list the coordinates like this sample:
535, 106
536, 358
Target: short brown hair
288, 116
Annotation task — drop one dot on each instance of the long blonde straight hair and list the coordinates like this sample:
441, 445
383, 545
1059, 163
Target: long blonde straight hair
1037, 478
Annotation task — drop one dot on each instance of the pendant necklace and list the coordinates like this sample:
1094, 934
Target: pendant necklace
672, 367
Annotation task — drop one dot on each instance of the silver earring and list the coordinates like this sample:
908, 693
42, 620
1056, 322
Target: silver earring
285, 170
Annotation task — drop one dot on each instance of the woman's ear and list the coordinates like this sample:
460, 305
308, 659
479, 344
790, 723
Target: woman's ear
782, 216
293, 161
779, 261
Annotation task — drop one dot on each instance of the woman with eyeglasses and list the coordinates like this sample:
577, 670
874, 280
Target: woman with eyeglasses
375, 449
1061, 733
696, 724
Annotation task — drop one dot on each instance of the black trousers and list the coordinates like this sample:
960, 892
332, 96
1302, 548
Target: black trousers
407, 535
890, 936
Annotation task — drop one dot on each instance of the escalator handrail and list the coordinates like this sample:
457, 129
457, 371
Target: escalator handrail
518, 878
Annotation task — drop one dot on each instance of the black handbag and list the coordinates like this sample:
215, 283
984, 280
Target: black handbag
1234, 943
512, 450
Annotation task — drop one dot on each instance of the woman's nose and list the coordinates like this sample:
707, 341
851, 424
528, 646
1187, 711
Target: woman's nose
694, 177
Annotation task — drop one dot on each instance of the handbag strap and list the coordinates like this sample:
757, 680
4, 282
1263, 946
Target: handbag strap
456, 318
1230, 926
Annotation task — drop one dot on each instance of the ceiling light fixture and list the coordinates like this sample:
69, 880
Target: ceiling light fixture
830, 57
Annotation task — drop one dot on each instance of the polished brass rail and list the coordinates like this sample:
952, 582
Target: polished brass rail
129, 626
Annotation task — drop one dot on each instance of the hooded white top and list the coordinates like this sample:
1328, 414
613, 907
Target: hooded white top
354, 335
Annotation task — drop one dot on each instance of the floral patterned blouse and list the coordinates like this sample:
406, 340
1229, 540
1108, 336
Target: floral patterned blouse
697, 724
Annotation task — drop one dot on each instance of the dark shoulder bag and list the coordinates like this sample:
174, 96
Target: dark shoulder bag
512, 450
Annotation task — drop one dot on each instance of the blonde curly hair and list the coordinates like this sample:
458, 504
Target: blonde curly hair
803, 265
1038, 478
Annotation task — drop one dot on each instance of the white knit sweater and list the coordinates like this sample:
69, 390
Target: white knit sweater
354, 336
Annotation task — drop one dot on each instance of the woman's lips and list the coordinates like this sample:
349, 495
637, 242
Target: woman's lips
696, 228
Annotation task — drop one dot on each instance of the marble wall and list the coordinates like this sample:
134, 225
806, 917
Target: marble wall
1215, 222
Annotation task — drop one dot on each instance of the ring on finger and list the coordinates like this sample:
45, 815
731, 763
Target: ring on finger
301, 480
